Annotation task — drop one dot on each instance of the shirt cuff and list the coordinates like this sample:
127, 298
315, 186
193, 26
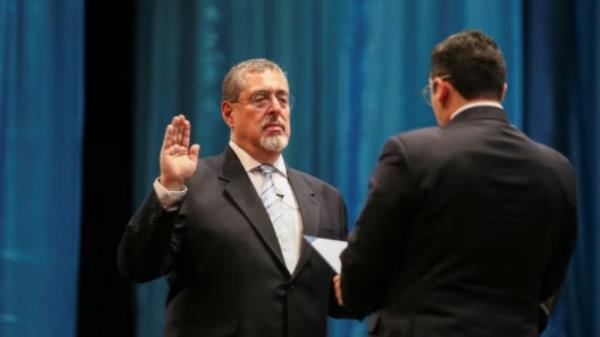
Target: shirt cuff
169, 200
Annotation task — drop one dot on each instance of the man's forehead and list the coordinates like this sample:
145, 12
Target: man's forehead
266, 80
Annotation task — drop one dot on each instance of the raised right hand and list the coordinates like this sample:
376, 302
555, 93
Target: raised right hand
178, 160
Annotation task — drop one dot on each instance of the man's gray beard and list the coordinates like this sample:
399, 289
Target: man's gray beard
274, 143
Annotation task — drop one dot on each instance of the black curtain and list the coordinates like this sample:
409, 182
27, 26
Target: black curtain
105, 298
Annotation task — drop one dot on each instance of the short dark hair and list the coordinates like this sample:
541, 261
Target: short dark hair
233, 83
474, 62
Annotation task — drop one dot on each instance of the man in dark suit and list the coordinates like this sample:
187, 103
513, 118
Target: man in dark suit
227, 231
468, 227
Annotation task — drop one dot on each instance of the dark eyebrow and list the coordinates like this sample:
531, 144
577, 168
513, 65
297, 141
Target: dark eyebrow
278, 93
260, 92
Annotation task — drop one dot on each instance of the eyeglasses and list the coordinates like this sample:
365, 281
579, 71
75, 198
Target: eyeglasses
264, 99
427, 89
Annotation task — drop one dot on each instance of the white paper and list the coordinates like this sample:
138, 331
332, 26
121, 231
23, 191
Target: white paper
329, 249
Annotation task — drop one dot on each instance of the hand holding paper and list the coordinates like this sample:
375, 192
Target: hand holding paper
337, 287
330, 250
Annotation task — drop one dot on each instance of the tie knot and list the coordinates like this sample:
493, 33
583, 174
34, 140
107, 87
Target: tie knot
266, 170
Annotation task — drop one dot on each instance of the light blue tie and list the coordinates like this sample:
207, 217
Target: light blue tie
274, 208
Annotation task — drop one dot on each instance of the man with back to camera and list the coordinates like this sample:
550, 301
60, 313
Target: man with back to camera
227, 230
468, 227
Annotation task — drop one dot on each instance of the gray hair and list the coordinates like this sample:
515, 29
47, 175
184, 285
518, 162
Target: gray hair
233, 83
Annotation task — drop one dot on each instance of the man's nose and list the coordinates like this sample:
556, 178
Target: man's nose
280, 103
275, 105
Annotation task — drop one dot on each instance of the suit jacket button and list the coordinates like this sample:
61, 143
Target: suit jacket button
291, 287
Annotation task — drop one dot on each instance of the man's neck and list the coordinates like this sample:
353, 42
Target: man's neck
475, 103
260, 155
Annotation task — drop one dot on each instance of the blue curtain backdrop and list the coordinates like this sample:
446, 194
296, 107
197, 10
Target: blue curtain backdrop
562, 97
41, 119
356, 69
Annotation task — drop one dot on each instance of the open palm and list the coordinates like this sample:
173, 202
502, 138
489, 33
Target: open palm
178, 160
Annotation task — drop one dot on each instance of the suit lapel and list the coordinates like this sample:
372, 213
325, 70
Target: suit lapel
241, 191
309, 210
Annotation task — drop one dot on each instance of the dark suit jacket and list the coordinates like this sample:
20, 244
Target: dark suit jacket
222, 259
466, 230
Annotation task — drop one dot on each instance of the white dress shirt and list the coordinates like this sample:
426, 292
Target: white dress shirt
475, 104
291, 239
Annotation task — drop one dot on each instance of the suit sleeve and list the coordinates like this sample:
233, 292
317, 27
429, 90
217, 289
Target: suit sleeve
375, 245
562, 248
334, 309
150, 242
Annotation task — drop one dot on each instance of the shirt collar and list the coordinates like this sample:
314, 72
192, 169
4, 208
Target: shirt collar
250, 164
476, 104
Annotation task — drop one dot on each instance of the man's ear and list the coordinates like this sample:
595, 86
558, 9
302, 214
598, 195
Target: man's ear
443, 91
227, 113
504, 89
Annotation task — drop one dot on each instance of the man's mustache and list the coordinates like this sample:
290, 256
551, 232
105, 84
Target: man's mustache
273, 121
